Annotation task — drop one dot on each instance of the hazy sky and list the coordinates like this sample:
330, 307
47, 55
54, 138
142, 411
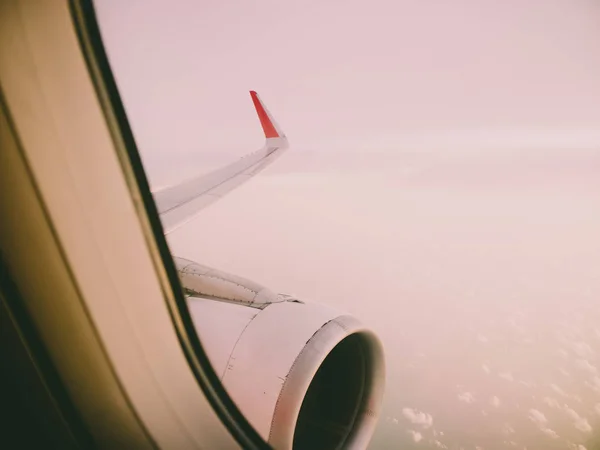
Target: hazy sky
479, 273
364, 75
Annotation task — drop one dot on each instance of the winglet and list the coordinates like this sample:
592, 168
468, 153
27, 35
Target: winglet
180, 203
269, 127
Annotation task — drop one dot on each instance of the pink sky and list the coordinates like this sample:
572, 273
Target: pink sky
479, 268
357, 74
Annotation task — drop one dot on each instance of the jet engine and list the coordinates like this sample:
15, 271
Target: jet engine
305, 375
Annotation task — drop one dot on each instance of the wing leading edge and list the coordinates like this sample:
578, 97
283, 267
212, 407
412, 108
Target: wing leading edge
180, 203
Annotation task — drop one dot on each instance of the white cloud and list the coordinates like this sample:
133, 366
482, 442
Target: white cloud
582, 349
586, 366
581, 423
507, 376
571, 413
495, 401
466, 397
594, 384
551, 402
597, 408
564, 372
417, 437
549, 432
537, 417
485, 368
508, 429
558, 390
418, 417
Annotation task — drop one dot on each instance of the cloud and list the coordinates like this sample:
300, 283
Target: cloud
417, 437
481, 338
508, 429
564, 372
597, 408
586, 366
581, 423
549, 432
485, 368
418, 417
495, 401
466, 397
594, 384
558, 390
438, 444
551, 402
582, 349
537, 417
507, 376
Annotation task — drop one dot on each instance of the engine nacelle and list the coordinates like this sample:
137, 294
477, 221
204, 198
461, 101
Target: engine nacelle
304, 375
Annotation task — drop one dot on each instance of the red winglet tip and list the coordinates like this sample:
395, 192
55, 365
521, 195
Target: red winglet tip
265, 121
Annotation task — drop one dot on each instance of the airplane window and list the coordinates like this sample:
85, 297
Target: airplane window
426, 187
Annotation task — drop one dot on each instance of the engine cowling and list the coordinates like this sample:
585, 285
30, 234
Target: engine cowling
305, 375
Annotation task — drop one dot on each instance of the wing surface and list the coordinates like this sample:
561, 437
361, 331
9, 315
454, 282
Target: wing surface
180, 203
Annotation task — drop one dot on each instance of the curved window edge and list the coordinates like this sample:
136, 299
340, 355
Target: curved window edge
91, 44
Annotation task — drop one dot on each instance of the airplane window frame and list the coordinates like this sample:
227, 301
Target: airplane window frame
91, 44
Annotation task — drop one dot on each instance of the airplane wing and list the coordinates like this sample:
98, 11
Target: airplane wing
180, 203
